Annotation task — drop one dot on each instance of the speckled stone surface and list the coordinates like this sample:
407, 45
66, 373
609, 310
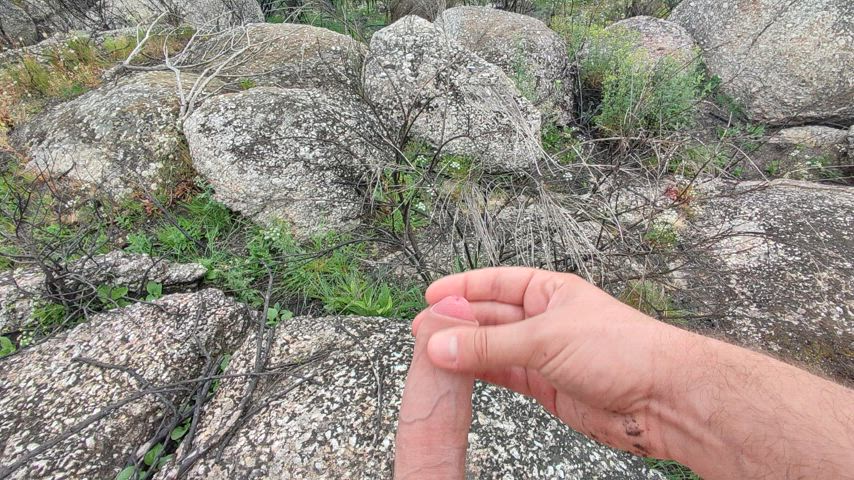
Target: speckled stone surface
16, 27
287, 154
51, 16
287, 55
118, 137
416, 74
659, 39
44, 392
340, 423
788, 62
207, 14
21, 289
781, 280
426, 9
526, 50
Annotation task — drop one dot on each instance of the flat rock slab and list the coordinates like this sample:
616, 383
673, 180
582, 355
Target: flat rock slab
781, 279
46, 390
21, 289
326, 406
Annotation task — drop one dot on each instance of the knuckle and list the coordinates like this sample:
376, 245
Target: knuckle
481, 346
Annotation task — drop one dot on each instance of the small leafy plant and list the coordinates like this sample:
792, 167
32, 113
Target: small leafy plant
113, 296
6, 346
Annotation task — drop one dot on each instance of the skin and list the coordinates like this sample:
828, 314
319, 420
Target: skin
435, 413
637, 384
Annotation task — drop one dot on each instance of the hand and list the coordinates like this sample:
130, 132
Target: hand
599, 365
637, 384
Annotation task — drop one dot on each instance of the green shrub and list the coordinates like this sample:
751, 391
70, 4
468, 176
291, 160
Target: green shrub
6, 346
623, 93
662, 236
561, 143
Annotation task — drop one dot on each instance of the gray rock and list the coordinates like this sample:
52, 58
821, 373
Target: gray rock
16, 27
658, 39
804, 153
787, 62
207, 14
416, 75
286, 55
331, 409
21, 290
120, 137
56, 16
293, 155
426, 9
529, 52
780, 279
44, 391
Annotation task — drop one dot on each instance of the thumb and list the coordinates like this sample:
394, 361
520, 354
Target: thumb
478, 349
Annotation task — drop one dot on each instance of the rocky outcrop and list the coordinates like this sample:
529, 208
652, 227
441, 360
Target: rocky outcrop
16, 27
21, 290
291, 155
119, 138
209, 14
529, 52
657, 39
287, 55
780, 277
57, 16
452, 98
805, 153
426, 9
84, 388
328, 409
787, 62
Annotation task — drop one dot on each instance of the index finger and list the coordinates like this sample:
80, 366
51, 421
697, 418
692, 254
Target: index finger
498, 284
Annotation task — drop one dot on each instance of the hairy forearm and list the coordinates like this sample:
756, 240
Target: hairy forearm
728, 412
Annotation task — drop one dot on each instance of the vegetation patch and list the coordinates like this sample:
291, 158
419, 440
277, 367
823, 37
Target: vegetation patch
652, 299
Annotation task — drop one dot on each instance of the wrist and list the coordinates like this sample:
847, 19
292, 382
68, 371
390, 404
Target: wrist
683, 398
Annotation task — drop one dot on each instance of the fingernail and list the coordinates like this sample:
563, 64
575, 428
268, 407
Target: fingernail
443, 348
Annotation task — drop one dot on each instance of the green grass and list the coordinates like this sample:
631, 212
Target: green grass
246, 83
652, 299
561, 143
672, 470
239, 256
